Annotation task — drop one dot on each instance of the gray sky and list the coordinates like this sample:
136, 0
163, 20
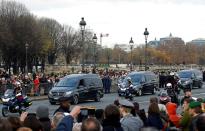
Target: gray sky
123, 19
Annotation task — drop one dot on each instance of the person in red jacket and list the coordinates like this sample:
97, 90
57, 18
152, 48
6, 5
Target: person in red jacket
36, 86
174, 118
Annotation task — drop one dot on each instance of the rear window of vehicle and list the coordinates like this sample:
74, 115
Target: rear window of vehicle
185, 74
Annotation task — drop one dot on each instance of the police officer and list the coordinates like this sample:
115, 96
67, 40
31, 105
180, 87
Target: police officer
64, 105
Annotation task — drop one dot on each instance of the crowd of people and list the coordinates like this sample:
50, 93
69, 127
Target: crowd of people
121, 115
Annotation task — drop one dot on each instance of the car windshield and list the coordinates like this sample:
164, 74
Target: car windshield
185, 74
67, 82
134, 78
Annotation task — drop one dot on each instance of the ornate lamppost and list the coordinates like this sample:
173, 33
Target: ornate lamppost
82, 28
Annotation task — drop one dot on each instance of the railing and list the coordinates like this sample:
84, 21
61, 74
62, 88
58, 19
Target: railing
28, 89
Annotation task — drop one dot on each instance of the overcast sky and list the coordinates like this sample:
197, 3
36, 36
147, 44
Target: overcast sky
123, 19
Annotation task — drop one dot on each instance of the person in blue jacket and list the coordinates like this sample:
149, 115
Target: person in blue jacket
66, 123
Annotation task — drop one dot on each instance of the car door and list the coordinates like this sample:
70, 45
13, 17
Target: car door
146, 84
90, 87
198, 79
82, 89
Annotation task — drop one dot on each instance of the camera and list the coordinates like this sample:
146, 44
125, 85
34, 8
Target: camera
86, 111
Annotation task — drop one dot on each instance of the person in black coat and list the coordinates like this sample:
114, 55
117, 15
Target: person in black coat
112, 119
42, 113
64, 105
154, 119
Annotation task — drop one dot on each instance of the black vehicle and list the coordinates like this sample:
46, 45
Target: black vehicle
10, 103
143, 82
191, 78
77, 87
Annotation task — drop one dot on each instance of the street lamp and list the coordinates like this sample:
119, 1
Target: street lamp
95, 39
146, 33
26, 45
82, 27
131, 42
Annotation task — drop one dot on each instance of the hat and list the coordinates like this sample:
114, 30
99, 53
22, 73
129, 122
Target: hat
126, 103
42, 111
194, 104
62, 99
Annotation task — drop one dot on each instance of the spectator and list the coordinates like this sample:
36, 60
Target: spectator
128, 121
15, 123
64, 105
66, 123
154, 119
5, 125
173, 117
56, 120
36, 86
141, 113
112, 119
187, 94
195, 111
99, 115
162, 109
32, 122
186, 117
116, 102
203, 106
200, 123
91, 124
42, 113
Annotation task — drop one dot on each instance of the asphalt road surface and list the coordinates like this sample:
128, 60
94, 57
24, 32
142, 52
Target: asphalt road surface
108, 99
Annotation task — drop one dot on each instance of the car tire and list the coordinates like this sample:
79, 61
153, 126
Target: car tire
154, 91
191, 86
140, 93
200, 85
5, 112
75, 100
52, 103
97, 97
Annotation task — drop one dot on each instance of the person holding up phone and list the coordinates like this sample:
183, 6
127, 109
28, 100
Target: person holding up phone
66, 123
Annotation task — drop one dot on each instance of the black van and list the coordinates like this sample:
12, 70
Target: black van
143, 82
77, 87
191, 78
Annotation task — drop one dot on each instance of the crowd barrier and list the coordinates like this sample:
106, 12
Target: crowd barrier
27, 89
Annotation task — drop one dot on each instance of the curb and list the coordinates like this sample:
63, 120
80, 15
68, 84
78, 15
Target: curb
37, 98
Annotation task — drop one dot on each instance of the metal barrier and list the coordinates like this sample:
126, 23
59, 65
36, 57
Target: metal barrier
27, 89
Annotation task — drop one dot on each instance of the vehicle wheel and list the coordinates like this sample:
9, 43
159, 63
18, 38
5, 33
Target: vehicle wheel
140, 92
75, 100
97, 97
154, 91
191, 86
200, 86
52, 103
5, 112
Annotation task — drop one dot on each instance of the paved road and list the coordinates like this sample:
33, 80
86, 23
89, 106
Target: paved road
108, 99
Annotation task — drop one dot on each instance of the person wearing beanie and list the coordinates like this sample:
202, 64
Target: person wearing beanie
42, 114
195, 111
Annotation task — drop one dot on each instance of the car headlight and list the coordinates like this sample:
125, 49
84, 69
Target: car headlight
50, 93
187, 82
68, 93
